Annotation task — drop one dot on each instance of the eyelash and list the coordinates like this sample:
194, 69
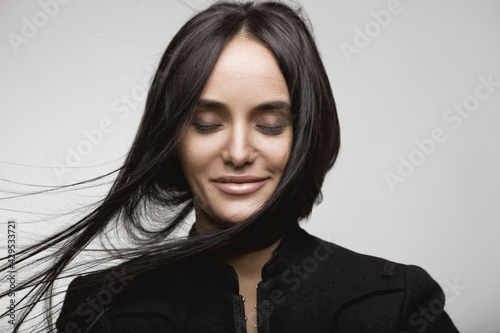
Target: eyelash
206, 128
272, 129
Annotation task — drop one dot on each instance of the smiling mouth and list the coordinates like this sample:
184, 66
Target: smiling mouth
239, 185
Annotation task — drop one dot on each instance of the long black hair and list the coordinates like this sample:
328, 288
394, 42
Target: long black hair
150, 198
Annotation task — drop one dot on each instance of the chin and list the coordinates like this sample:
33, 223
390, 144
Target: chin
237, 213
235, 218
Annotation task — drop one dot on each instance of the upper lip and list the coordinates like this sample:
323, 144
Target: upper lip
240, 179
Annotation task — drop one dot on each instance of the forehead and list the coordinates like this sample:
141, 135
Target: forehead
246, 67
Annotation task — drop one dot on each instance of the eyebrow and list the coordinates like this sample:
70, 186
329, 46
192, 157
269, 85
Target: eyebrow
276, 105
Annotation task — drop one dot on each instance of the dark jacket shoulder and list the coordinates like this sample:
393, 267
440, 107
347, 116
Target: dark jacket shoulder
89, 296
369, 288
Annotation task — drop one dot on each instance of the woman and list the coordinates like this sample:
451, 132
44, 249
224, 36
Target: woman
240, 125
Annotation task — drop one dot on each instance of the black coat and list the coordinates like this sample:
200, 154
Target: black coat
309, 285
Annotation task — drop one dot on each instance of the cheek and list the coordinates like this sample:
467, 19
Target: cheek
278, 152
195, 156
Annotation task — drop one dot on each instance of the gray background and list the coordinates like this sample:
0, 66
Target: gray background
74, 73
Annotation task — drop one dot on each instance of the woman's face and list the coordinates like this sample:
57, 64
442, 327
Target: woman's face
235, 150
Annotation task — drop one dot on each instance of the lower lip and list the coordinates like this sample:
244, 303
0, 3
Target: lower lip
240, 189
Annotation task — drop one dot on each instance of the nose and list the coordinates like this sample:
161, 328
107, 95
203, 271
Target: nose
239, 149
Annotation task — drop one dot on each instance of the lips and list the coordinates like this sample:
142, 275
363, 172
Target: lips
239, 185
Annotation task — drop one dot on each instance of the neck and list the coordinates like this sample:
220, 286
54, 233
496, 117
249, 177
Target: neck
248, 265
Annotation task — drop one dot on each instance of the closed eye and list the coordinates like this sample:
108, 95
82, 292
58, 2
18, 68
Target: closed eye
206, 128
272, 129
